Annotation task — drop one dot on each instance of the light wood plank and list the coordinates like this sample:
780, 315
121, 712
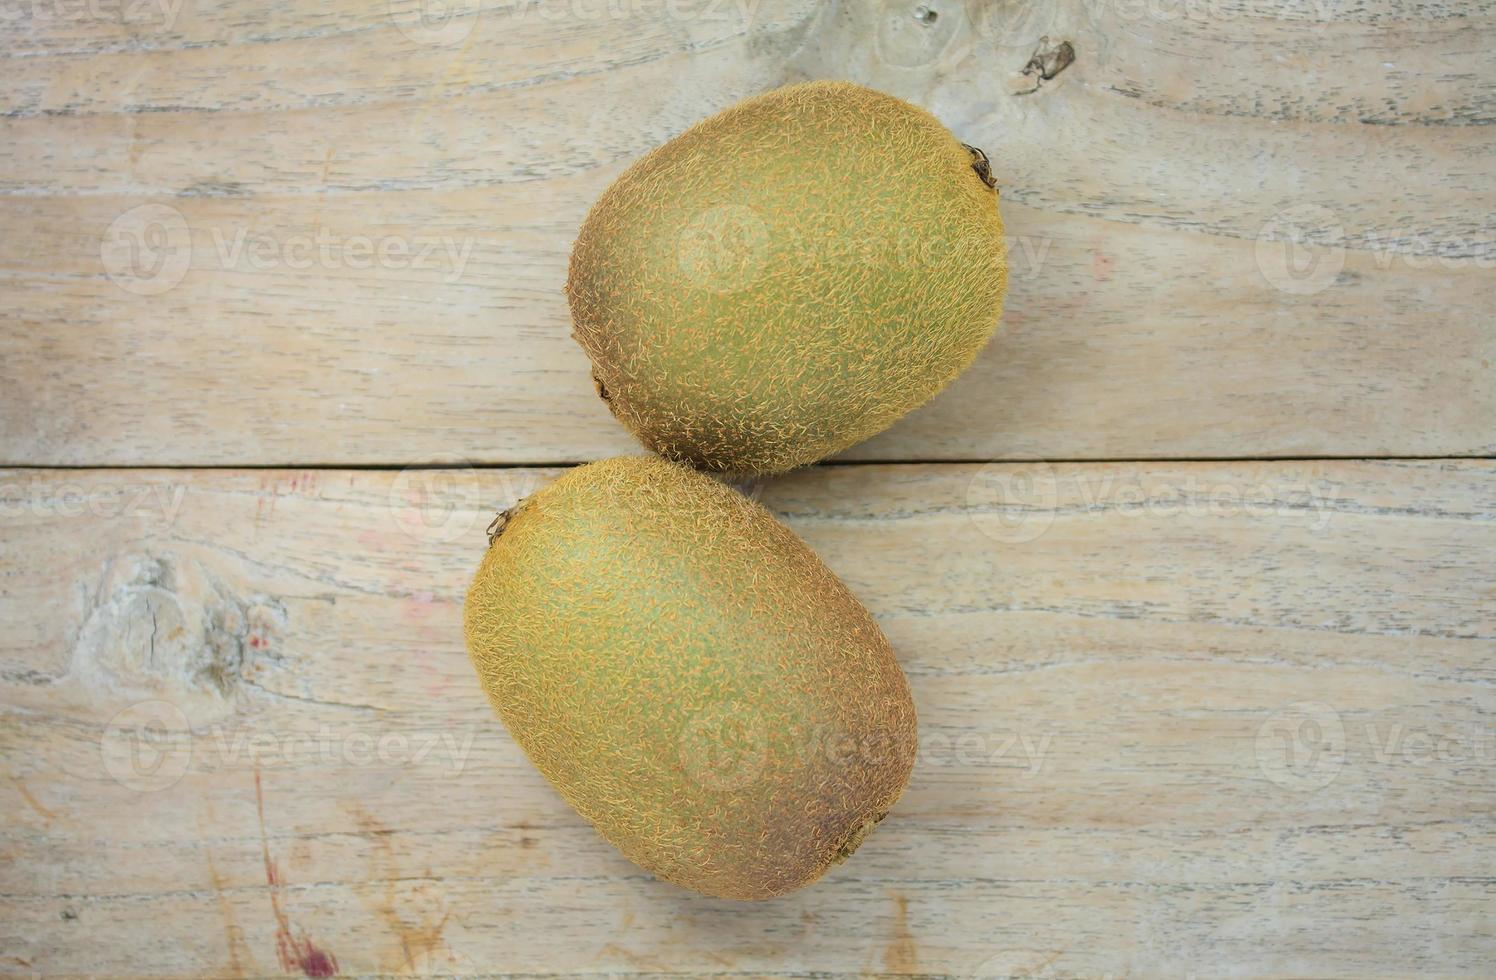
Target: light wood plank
1119, 670
1148, 188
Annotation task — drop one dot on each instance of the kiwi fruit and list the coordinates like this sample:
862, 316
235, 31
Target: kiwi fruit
788, 278
690, 676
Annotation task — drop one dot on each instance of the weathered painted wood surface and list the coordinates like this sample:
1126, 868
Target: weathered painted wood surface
1176, 719
305, 232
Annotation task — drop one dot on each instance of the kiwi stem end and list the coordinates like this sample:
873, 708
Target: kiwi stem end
846, 848
981, 165
496, 527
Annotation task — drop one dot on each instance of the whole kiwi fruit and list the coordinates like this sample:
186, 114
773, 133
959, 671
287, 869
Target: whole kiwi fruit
690, 677
788, 277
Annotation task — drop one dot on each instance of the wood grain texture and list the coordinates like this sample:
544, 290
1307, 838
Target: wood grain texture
1176, 719
1239, 228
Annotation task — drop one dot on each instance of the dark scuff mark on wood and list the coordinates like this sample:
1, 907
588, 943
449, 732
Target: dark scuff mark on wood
1047, 61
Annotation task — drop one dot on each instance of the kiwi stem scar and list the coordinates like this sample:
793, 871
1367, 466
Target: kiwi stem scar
854, 839
981, 165
602, 389
497, 525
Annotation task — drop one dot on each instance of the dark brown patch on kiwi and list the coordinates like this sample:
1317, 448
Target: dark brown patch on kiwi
602, 390
854, 839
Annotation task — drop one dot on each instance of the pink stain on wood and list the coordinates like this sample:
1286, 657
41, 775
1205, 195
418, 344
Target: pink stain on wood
418, 606
1102, 264
299, 954
294, 952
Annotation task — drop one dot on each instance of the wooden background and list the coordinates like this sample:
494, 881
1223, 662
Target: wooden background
1193, 573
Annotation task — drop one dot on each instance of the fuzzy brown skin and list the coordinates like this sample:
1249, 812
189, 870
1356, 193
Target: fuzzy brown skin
690, 677
788, 277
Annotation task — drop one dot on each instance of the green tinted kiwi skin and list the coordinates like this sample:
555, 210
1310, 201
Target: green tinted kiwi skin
690, 676
788, 277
